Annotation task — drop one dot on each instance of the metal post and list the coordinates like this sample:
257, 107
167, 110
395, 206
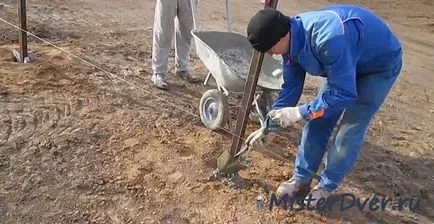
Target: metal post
228, 16
23, 25
194, 13
249, 91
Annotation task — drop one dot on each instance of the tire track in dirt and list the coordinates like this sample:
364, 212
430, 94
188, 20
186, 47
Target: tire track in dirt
5, 129
28, 122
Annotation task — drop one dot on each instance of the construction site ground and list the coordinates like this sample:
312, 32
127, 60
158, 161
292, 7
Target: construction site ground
79, 145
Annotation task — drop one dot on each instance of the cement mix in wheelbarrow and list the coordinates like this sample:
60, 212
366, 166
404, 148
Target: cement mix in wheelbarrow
236, 60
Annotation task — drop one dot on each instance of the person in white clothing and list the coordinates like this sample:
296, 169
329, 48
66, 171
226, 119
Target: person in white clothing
166, 11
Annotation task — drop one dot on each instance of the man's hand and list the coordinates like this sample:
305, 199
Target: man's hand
286, 116
265, 2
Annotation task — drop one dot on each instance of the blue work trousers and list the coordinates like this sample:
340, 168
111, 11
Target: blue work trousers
343, 151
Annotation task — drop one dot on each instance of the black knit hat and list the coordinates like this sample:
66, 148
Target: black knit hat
266, 28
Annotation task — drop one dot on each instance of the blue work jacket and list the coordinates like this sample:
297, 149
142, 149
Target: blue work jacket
341, 43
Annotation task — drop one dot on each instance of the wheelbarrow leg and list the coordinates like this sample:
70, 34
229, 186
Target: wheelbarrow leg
207, 79
223, 89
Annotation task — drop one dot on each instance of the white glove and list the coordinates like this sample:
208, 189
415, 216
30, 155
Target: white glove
286, 116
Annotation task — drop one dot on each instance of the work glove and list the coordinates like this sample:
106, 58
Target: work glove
286, 116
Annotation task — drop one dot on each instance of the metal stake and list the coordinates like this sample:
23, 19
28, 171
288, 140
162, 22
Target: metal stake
249, 91
226, 159
228, 16
23, 25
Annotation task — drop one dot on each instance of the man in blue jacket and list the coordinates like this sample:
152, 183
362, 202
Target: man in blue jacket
360, 58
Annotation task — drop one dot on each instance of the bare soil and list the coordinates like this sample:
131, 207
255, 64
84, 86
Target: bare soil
80, 145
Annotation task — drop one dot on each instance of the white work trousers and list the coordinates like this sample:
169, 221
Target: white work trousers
169, 13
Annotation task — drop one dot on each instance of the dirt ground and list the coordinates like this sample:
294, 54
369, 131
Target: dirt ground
78, 145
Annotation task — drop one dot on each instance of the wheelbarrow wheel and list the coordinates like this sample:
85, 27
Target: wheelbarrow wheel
214, 109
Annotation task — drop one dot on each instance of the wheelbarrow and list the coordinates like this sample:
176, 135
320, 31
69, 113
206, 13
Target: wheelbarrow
227, 56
